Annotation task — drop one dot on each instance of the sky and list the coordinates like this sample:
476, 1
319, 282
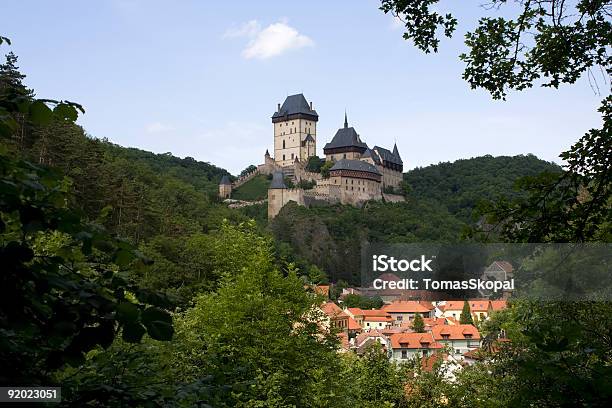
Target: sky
203, 78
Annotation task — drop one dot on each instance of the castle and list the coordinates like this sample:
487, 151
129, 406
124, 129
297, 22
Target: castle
357, 174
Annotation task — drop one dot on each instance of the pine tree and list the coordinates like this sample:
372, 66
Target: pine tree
466, 314
11, 80
418, 324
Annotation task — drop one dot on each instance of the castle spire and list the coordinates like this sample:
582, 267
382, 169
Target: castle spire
345, 120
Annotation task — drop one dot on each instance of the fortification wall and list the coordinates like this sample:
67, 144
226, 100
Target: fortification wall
277, 198
394, 198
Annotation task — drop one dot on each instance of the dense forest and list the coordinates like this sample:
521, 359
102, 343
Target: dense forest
461, 185
127, 283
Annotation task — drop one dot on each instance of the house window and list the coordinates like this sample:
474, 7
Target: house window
404, 354
399, 318
425, 352
445, 336
457, 351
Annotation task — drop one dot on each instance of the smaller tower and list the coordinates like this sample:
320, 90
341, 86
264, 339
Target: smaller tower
276, 194
225, 187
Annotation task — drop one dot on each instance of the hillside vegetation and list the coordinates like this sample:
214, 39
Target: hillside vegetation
462, 184
440, 207
253, 190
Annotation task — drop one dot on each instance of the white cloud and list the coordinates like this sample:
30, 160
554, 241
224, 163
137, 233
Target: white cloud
271, 41
249, 29
157, 127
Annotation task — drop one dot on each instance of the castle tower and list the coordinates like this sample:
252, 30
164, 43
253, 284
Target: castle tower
225, 187
295, 130
275, 194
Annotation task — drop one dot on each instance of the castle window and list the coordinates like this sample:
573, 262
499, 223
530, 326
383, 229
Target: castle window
291, 155
344, 155
283, 144
283, 157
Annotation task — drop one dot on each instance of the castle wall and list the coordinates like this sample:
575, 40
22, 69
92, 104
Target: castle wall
394, 198
390, 177
277, 198
340, 156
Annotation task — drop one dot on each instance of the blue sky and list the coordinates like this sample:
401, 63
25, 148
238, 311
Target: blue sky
201, 79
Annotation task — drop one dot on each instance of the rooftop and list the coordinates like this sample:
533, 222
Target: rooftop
357, 165
295, 104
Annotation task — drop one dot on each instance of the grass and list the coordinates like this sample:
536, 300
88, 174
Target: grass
253, 190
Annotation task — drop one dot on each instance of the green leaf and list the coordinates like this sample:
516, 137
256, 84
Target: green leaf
158, 323
133, 332
66, 112
40, 114
128, 312
123, 257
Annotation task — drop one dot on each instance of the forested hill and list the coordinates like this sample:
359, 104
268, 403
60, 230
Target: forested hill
460, 185
440, 205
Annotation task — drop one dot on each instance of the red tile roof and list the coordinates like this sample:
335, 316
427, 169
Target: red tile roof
476, 305
499, 304
352, 324
333, 310
506, 266
457, 332
414, 341
322, 290
408, 306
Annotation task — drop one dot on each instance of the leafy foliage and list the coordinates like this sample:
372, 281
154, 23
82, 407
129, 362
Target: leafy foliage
253, 190
418, 324
461, 186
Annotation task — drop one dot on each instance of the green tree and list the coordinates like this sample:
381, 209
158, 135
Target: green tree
314, 164
325, 168
547, 43
379, 382
466, 314
257, 335
63, 290
251, 168
418, 324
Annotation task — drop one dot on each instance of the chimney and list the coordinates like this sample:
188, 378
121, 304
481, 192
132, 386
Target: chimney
310, 105
278, 107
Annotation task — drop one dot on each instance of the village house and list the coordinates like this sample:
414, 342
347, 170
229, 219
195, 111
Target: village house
335, 317
408, 345
460, 338
479, 308
373, 319
366, 339
404, 311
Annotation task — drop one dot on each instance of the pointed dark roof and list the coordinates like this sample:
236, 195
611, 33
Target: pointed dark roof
346, 137
293, 105
225, 180
309, 138
389, 156
395, 151
372, 154
359, 165
267, 152
278, 180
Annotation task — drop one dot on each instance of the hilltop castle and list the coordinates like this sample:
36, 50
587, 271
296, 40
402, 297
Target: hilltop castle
358, 173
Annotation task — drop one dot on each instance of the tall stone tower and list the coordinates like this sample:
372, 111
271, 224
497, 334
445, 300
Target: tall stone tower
295, 130
225, 187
